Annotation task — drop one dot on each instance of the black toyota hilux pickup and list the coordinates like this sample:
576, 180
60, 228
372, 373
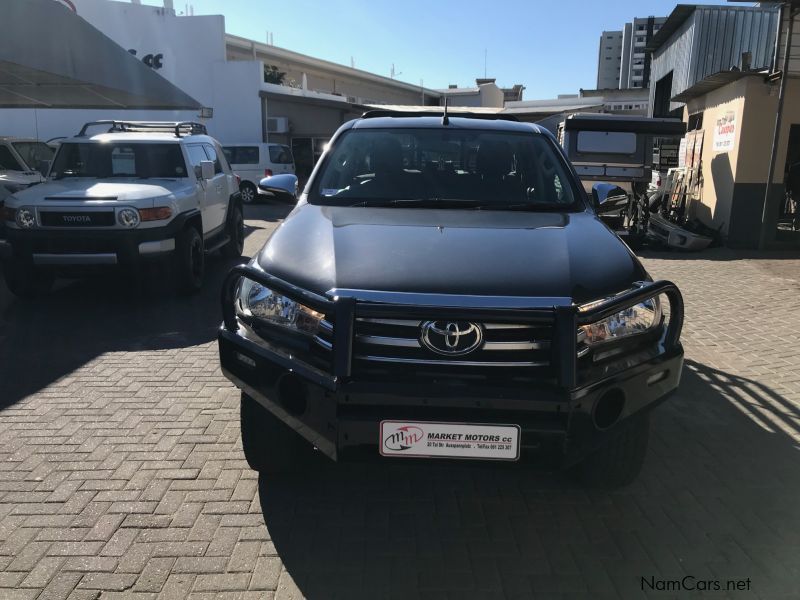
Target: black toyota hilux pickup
444, 289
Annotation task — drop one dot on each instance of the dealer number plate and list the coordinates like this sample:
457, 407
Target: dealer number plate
449, 440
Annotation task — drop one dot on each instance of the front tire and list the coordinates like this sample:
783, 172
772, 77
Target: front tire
235, 246
26, 281
249, 192
190, 259
619, 462
270, 446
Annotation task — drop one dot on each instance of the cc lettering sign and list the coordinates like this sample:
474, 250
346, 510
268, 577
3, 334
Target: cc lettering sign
154, 61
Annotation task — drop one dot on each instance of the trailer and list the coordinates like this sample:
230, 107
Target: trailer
616, 149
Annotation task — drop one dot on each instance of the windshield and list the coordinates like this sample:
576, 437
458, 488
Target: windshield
117, 159
7, 160
33, 152
441, 167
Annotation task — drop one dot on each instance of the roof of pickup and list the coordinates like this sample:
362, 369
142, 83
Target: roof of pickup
435, 122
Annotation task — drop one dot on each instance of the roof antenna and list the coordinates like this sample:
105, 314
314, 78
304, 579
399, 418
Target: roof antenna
445, 118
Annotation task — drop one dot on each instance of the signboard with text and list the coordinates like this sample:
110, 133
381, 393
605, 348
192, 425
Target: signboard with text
725, 132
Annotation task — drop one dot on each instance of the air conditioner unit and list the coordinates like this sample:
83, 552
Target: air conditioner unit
278, 124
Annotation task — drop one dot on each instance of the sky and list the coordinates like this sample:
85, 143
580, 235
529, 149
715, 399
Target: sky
548, 46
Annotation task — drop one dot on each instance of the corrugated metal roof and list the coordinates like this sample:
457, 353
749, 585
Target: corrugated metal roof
536, 107
709, 40
675, 19
455, 91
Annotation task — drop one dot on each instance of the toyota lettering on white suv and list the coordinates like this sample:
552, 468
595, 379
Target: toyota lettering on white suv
139, 191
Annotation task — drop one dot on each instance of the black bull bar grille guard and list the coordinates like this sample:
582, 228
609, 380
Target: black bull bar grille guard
344, 310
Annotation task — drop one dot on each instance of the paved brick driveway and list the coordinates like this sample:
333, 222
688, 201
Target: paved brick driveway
121, 473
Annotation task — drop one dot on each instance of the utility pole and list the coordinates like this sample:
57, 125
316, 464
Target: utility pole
485, 57
767, 233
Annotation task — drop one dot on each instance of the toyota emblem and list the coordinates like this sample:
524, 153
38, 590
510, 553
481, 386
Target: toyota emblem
451, 338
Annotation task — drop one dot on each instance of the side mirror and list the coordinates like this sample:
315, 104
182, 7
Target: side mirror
284, 184
207, 169
43, 166
608, 197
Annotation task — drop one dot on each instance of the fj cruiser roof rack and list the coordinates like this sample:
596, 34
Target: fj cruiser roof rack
377, 113
178, 127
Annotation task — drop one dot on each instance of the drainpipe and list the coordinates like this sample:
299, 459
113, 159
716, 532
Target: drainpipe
767, 233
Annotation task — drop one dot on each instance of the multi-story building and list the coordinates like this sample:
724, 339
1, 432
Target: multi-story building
608, 60
622, 60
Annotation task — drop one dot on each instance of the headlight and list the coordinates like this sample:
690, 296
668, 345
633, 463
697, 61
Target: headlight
25, 217
253, 300
637, 319
128, 217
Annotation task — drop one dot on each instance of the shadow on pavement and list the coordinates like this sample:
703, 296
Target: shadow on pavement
48, 338
716, 501
44, 339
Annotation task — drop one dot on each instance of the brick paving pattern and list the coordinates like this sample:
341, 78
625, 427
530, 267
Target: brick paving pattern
122, 476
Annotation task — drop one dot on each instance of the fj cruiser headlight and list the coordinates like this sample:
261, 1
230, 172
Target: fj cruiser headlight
253, 300
640, 318
128, 217
25, 217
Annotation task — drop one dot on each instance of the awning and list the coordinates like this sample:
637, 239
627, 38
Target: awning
51, 58
713, 82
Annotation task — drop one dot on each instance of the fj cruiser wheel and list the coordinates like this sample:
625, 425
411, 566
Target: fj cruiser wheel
269, 445
235, 247
190, 256
620, 461
25, 281
248, 191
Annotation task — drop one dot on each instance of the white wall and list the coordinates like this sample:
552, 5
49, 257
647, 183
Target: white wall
236, 101
48, 123
187, 45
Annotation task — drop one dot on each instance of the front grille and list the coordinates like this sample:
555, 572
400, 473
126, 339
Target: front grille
77, 218
395, 345
504, 344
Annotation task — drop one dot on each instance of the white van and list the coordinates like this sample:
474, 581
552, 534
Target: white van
252, 162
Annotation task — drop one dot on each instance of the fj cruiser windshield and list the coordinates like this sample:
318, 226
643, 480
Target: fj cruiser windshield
104, 160
445, 168
33, 152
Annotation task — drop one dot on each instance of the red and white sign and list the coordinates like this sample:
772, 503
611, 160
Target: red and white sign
725, 132
449, 440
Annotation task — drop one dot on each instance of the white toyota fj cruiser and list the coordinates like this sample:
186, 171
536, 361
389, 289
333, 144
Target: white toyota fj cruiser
139, 191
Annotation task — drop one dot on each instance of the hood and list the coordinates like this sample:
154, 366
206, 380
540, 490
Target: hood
20, 178
464, 252
124, 190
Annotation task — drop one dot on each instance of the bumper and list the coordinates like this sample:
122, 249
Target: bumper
560, 419
91, 248
556, 424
